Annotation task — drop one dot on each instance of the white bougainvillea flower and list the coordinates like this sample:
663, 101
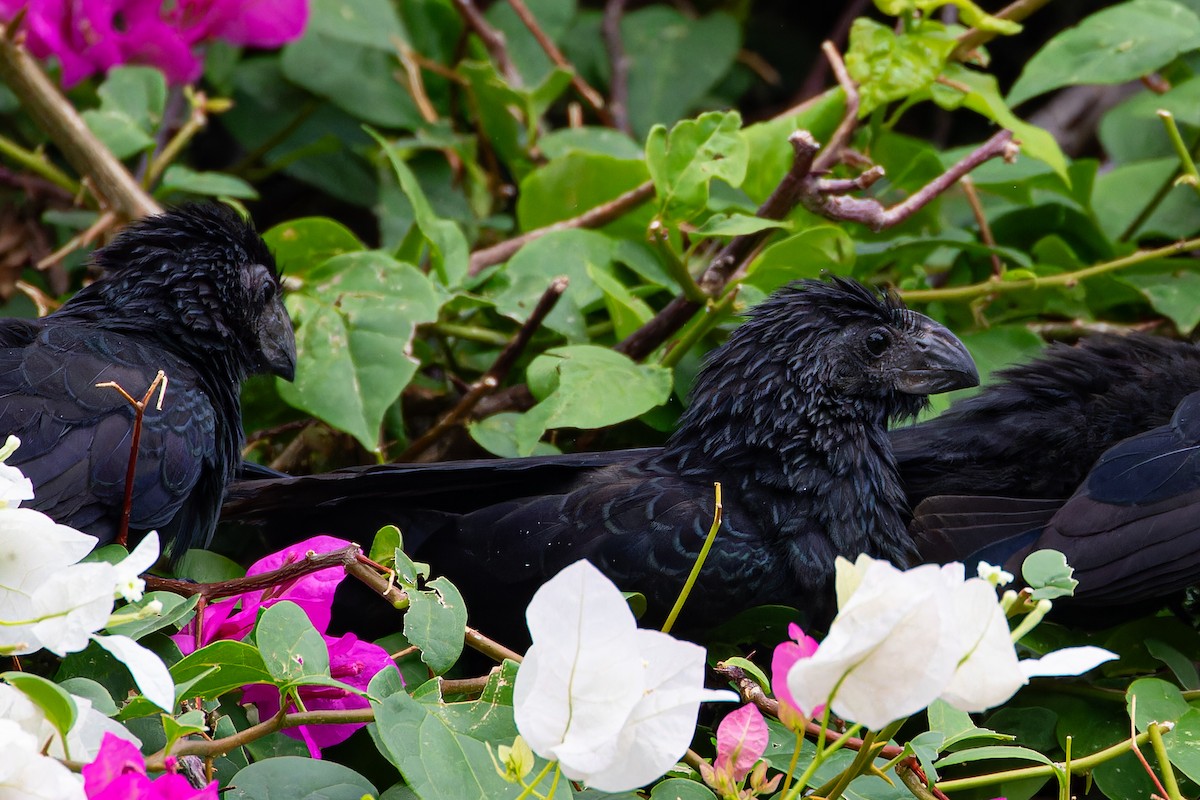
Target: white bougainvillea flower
148, 670
14, 486
903, 639
34, 547
129, 571
886, 652
614, 705
996, 576
1068, 661
84, 738
26, 773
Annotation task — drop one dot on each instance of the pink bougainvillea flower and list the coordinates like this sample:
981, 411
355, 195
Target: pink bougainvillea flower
119, 773
351, 661
89, 36
234, 617
799, 647
741, 741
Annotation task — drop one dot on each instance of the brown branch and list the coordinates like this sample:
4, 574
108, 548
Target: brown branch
94, 231
875, 215
592, 218
618, 60
139, 412
59, 120
495, 374
492, 39
589, 95
845, 129
814, 82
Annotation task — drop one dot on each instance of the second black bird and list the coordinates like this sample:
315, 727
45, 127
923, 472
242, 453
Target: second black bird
790, 415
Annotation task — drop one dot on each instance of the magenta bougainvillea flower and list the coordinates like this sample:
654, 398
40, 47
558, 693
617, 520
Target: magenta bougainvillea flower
119, 773
351, 661
89, 36
800, 646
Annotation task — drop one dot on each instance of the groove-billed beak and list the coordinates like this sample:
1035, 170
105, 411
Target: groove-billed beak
277, 342
934, 361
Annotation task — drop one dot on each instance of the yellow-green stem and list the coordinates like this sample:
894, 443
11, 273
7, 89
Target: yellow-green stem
195, 123
1078, 766
712, 315
1164, 762
528, 790
787, 779
700, 559
996, 286
37, 164
1185, 157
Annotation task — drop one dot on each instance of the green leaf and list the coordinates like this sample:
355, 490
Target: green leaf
578, 182
1154, 700
993, 752
984, 98
627, 312
1180, 665
925, 747
118, 131
385, 544
697, 150
179, 178
570, 253
498, 435
891, 67
436, 760
54, 701
528, 57
90, 690
752, 669
565, 380
807, 254
681, 789
448, 244
736, 225
1048, 574
205, 566
1114, 45
298, 778
436, 622
368, 23
174, 609
139, 93
303, 244
355, 319
292, 649
673, 61
186, 724
1172, 288
218, 668
1183, 744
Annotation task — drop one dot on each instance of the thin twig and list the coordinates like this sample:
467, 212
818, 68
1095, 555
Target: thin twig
490, 647
495, 374
59, 120
845, 129
94, 231
592, 218
618, 60
139, 412
589, 95
492, 39
985, 230
814, 82
197, 120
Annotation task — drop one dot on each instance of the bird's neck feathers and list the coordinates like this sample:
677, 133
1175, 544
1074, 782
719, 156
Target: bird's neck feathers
790, 437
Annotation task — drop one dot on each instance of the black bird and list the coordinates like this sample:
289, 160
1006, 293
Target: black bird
1114, 426
193, 292
790, 415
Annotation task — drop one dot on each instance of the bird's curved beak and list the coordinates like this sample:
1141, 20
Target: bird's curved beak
277, 342
935, 361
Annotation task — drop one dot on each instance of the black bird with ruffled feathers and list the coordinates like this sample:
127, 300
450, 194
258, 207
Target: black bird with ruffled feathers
193, 292
790, 415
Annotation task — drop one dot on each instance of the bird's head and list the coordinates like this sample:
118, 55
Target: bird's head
200, 276
836, 347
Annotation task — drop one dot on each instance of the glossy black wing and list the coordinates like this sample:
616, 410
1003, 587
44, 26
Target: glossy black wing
75, 437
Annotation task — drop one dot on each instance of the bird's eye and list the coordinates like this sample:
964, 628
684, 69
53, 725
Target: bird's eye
877, 341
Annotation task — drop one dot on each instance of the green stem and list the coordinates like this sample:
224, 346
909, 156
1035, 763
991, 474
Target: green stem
1164, 762
195, 123
37, 164
997, 286
679, 271
700, 559
471, 333
1031, 620
1181, 150
862, 759
787, 779
712, 315
1078, 766
537, 780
